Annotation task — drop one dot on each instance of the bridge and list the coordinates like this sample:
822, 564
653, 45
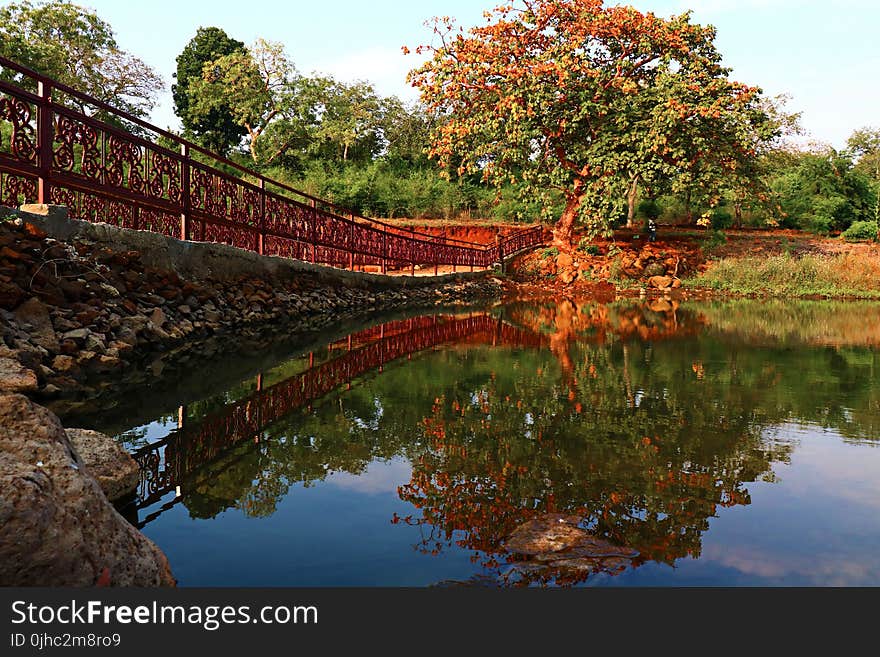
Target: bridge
126, 172
167, 463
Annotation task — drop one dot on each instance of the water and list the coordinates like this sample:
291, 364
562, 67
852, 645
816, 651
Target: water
727, 443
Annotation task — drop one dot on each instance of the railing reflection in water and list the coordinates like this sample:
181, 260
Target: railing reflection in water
166, 463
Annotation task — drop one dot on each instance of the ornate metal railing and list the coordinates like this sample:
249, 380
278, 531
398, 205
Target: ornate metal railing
127, 172
167, 463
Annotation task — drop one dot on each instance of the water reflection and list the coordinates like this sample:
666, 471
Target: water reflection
629, 425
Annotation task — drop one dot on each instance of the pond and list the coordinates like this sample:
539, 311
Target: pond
711, 443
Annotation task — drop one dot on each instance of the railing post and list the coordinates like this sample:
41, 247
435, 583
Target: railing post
261, 238
384, 251
498, 239
351, 242
314, 230
185, 184
45, 139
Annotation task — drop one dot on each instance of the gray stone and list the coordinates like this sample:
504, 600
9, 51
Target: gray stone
77, 334
42, 333
113, 468
57, 527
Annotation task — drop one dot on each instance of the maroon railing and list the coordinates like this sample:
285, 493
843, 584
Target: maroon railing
129, 173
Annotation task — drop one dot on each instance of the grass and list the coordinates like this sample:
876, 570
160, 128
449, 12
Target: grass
811, 275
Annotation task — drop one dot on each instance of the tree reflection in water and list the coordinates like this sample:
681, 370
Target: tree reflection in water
640, 420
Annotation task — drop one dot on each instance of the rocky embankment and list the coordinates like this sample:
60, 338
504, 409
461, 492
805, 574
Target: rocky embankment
57, 526
89, 305
653, 266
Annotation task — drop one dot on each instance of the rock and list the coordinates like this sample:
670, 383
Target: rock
158, 317
109, 290
564, 261
660, 282
15, 377
76, 334
655, 269
567, 277
113, 468
10, 295
42, 332
56, 526
95, 343
552, 533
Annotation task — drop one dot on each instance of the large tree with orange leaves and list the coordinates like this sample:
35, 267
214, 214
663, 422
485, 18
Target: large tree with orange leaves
573, 98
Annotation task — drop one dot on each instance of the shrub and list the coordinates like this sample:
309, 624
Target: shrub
861, 231
586, 246
650, 209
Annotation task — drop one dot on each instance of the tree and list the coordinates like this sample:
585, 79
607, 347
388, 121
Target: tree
573, 96
215, 129
864, 145
407, 133
265, 95
74, 46
350, 119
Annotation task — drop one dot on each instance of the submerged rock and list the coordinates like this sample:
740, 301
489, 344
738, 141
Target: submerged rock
552, 533
105, 459
56, 526
557, 547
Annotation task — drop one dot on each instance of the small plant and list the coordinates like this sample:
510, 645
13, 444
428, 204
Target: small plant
861, 231
552, 252
587, 247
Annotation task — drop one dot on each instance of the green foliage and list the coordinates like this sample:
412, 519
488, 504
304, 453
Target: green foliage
214, 128
721, 218
822, 192
75, 46
861, 231
552, 252
586, 246
649, 209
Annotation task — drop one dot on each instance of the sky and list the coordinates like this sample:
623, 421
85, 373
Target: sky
824, 54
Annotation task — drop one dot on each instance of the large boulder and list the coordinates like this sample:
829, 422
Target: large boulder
56, 526
106, 460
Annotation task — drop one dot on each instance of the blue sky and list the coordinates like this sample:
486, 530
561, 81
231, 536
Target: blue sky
824, 54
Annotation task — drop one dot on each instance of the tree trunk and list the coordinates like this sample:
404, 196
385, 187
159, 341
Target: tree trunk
738, 213
562, 233
631, 199
687, 208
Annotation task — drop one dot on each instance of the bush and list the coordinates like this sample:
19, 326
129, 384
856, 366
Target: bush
649, 209
861, 231
721, 218
586, 246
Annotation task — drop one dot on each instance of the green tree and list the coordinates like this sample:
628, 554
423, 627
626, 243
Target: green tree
265, 95
215, 128
572, 96
864, 144
822, 190
74, 46
350, 120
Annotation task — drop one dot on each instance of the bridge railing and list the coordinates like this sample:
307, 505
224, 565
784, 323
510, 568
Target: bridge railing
64, 147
